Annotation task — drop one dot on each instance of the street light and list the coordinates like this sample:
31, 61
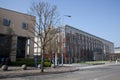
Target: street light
63, 31
67, 16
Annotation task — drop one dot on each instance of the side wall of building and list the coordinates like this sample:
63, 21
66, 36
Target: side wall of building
19, 25
82, 46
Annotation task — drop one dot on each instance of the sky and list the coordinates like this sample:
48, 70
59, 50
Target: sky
98, 17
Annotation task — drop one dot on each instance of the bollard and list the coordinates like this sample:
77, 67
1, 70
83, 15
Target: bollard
24, 67
39, 66
4, 67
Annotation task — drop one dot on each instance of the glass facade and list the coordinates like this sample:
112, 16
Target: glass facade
82, 46
5, 45
21, 46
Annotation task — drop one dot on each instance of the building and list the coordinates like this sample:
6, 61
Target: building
50, 44
37, 49
117, 50
78, 45
16, 34
117, 53
75, 45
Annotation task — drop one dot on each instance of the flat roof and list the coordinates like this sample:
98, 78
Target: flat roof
16, 12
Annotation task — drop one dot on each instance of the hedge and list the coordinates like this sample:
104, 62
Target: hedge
29, 62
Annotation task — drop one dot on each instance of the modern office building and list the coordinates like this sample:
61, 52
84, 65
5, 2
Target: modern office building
16, 34
77, 45
74, 45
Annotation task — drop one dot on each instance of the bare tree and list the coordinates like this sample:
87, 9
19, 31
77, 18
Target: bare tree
45, 30
53, 46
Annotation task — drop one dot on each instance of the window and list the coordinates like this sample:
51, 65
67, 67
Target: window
25, 26
6, 22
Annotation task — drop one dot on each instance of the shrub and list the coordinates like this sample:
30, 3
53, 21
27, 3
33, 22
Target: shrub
21, 61
47, 64
29, 62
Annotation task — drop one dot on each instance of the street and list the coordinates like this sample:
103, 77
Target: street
111, 72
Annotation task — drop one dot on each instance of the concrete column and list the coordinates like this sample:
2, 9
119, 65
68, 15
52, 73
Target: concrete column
56, 58
13, 49
31, 49
94, 56
27, 48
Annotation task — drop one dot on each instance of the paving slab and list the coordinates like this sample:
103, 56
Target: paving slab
18, 72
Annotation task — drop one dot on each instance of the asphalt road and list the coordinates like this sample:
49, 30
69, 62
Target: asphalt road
100, 73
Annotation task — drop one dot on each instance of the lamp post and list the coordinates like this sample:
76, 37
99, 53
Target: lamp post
63, 31
67, 16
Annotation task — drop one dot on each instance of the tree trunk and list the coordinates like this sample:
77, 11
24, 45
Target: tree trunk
42, 60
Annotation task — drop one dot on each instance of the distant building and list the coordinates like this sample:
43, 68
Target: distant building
37, 49
117, 50
117, 53
78, 45
16, 34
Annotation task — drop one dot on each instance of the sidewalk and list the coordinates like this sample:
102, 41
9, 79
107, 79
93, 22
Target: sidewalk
87, 66
31, 71
17, 72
